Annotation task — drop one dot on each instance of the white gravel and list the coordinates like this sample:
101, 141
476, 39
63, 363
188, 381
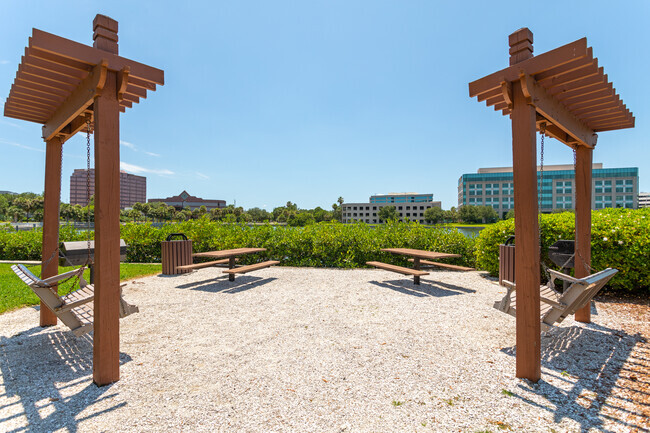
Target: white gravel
315, 350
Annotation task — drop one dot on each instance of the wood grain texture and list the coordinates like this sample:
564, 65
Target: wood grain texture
51, 202
524, 162
107, 234
584, 158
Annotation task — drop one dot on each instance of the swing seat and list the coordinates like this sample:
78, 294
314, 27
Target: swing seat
555, 307
75, 309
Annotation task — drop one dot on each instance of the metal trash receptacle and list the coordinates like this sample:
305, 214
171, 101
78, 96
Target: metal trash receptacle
507, 261
175, 253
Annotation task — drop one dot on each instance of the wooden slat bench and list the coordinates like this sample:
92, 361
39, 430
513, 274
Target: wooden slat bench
203, 265
400, 270
249, 268
443, 265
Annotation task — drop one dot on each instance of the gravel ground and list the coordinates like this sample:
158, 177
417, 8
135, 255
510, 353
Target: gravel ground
323, 350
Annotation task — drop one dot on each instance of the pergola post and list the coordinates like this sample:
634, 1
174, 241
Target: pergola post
584, 157
106, 353
51, 202
524, 155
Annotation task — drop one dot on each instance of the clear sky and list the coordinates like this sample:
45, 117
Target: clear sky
270, 101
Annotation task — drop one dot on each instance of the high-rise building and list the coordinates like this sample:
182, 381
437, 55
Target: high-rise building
409, 205
133, 188
611, 187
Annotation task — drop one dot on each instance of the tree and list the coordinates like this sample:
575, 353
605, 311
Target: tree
510, 214
434, 215
388, 213
488, 214
469, 214
259, 215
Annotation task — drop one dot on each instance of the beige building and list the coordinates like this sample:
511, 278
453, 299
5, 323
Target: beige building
133, 188
644, 199
409, 206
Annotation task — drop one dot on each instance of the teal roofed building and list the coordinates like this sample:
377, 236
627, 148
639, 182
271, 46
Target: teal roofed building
611, 188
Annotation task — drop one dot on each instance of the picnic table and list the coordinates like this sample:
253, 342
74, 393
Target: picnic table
419, 258
229, 257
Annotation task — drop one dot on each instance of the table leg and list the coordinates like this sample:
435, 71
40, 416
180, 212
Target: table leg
231, 264
416, 265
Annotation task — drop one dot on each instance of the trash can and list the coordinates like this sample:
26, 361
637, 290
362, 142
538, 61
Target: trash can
507, 261
175, 253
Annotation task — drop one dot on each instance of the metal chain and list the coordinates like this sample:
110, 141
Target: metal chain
88, 186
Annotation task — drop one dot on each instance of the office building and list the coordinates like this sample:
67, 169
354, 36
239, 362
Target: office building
611, 187
644, 199
402, 197
133, 188
187, 201
410, 206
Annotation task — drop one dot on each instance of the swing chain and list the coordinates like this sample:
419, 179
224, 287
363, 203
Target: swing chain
88, 186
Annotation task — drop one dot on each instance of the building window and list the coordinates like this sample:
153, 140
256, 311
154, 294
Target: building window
629, 201
399, 207
563, 187
374, 208
603, 186
508, 188
619, 199
565, 202
408, 207
629, 185
491, 189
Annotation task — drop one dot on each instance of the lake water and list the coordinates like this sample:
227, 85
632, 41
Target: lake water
470, 231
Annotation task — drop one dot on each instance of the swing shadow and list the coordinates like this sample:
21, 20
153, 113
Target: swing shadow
38, 367
435, 289
592, 364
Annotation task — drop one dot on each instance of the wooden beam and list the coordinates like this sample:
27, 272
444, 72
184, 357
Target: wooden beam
77, 102
57, 78
122, 82
558, 71
535, 65
51, 202
47, 65
584, 159
582, 83
106, 356
34, 94
66, 48
556, 113
524, 163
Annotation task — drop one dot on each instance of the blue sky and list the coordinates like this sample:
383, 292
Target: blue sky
306, 101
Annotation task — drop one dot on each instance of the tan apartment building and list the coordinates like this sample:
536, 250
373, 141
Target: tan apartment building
409, 205
133, 188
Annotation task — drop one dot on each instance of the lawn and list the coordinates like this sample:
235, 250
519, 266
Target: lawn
15, 294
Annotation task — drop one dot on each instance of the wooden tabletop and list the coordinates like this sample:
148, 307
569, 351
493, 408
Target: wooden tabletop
420, 254
229, 253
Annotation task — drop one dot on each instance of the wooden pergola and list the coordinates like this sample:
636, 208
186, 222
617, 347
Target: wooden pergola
564, 93
67, 86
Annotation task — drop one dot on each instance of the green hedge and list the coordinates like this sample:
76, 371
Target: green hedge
320, 245
620, 238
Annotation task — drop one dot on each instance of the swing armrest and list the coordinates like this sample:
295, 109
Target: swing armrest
55, 279
509, 284
71, 305
563, 277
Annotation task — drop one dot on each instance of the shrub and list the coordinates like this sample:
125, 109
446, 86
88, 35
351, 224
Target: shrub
320, 245
620, 238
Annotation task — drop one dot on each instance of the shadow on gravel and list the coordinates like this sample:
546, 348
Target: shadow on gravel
36, 367
214, 285
425, 289
590, 368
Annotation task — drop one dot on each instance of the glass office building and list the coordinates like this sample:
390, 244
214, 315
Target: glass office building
611, 187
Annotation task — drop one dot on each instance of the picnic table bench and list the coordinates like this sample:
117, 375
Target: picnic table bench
230, 257
418, 258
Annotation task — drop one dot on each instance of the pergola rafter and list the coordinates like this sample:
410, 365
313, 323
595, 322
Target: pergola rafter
70, 87
565, 94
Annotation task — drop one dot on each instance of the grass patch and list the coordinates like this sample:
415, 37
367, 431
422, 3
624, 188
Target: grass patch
15, 294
